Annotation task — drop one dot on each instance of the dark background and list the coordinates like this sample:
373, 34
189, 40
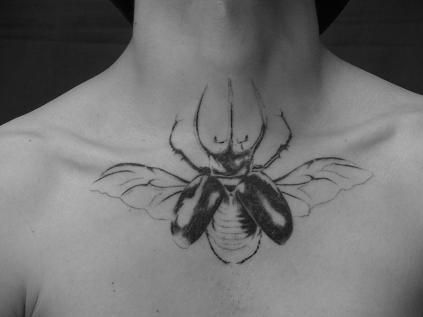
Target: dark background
50, 46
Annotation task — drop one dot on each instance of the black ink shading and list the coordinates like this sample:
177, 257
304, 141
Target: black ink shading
233, 201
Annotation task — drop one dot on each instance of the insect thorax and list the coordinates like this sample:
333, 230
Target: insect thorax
230, 164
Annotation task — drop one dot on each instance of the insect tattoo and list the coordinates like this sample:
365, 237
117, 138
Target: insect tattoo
232, 201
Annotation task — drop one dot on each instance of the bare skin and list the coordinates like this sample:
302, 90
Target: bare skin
67, 251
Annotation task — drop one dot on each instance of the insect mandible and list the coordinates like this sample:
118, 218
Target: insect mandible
232, 201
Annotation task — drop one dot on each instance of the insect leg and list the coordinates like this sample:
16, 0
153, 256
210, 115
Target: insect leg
281, 148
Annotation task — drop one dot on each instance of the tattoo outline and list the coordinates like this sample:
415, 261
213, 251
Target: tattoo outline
233, 201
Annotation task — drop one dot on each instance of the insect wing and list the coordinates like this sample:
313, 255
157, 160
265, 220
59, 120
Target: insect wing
319, 181
266, 205
195, 209
142, 187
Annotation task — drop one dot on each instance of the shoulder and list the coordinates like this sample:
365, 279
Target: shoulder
36, 151
25, 178
41, 154
386, 117
26, 157
406, 148
393, 145
383, 124
37, 160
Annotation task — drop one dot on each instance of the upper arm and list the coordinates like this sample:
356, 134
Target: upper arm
23, 166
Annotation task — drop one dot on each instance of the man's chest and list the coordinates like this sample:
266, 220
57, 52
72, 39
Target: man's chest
354, 257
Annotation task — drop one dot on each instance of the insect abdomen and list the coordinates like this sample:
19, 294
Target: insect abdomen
233, 235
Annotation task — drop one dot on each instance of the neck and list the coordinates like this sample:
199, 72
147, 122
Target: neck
180, 46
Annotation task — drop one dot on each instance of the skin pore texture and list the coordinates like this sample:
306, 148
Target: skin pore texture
82, 234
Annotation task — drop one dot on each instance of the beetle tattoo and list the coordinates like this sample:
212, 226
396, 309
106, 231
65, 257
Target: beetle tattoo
232, 201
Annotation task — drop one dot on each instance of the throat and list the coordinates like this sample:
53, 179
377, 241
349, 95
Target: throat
231, 36
181, 46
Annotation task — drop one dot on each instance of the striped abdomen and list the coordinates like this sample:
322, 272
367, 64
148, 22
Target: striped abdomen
233, 235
